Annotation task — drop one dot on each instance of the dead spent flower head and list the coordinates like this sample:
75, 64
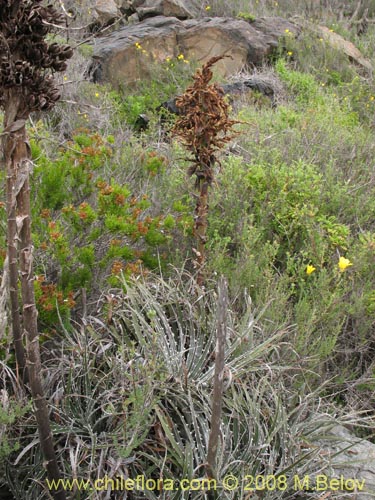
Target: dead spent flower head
204, 125
27, 61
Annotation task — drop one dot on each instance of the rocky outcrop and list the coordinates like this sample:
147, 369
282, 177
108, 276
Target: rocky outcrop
182, 9
125, 56
106, 11
170, 8
351, 458
337, 42
161, 30
348, 48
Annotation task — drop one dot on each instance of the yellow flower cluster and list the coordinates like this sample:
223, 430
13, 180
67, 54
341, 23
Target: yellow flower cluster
343, 264
180, 57
138, 46
288, 33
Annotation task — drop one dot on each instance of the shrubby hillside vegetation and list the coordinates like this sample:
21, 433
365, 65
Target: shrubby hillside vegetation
127, 336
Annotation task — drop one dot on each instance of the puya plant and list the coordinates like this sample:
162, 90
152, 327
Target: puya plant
27, 66
204, 127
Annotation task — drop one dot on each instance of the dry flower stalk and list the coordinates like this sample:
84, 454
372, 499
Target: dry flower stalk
205, 128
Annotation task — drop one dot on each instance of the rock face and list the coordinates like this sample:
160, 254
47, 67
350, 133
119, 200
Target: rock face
352, 458
337, 42
348, 48
169, 28
106, 10
126, 55
169, 8
182, 9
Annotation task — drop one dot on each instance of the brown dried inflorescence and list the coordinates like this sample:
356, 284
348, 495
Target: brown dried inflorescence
204, 124
27, 61
204, 127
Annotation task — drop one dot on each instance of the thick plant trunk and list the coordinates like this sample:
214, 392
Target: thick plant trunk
4, 320
12, 240
18, 162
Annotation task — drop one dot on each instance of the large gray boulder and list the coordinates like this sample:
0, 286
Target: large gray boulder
126, 56
106, 10
182, 9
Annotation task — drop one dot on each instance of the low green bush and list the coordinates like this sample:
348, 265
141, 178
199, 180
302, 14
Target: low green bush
87, 228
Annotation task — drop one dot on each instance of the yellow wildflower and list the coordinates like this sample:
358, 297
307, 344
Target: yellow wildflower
310, 269
286, 30
290, 53
65, 78
96, 94
180, 57
208, 8
344, 263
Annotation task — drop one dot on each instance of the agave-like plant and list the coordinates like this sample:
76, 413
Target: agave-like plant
133, 398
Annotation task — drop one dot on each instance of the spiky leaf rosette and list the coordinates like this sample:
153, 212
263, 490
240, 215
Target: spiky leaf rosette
204, 124
27, 61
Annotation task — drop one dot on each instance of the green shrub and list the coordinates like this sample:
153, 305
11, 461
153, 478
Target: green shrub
80, 220
166, 80
303, 85
246, 16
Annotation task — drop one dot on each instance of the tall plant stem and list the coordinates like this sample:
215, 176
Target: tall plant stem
217, 393
17, 157
200, 229
12, 243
